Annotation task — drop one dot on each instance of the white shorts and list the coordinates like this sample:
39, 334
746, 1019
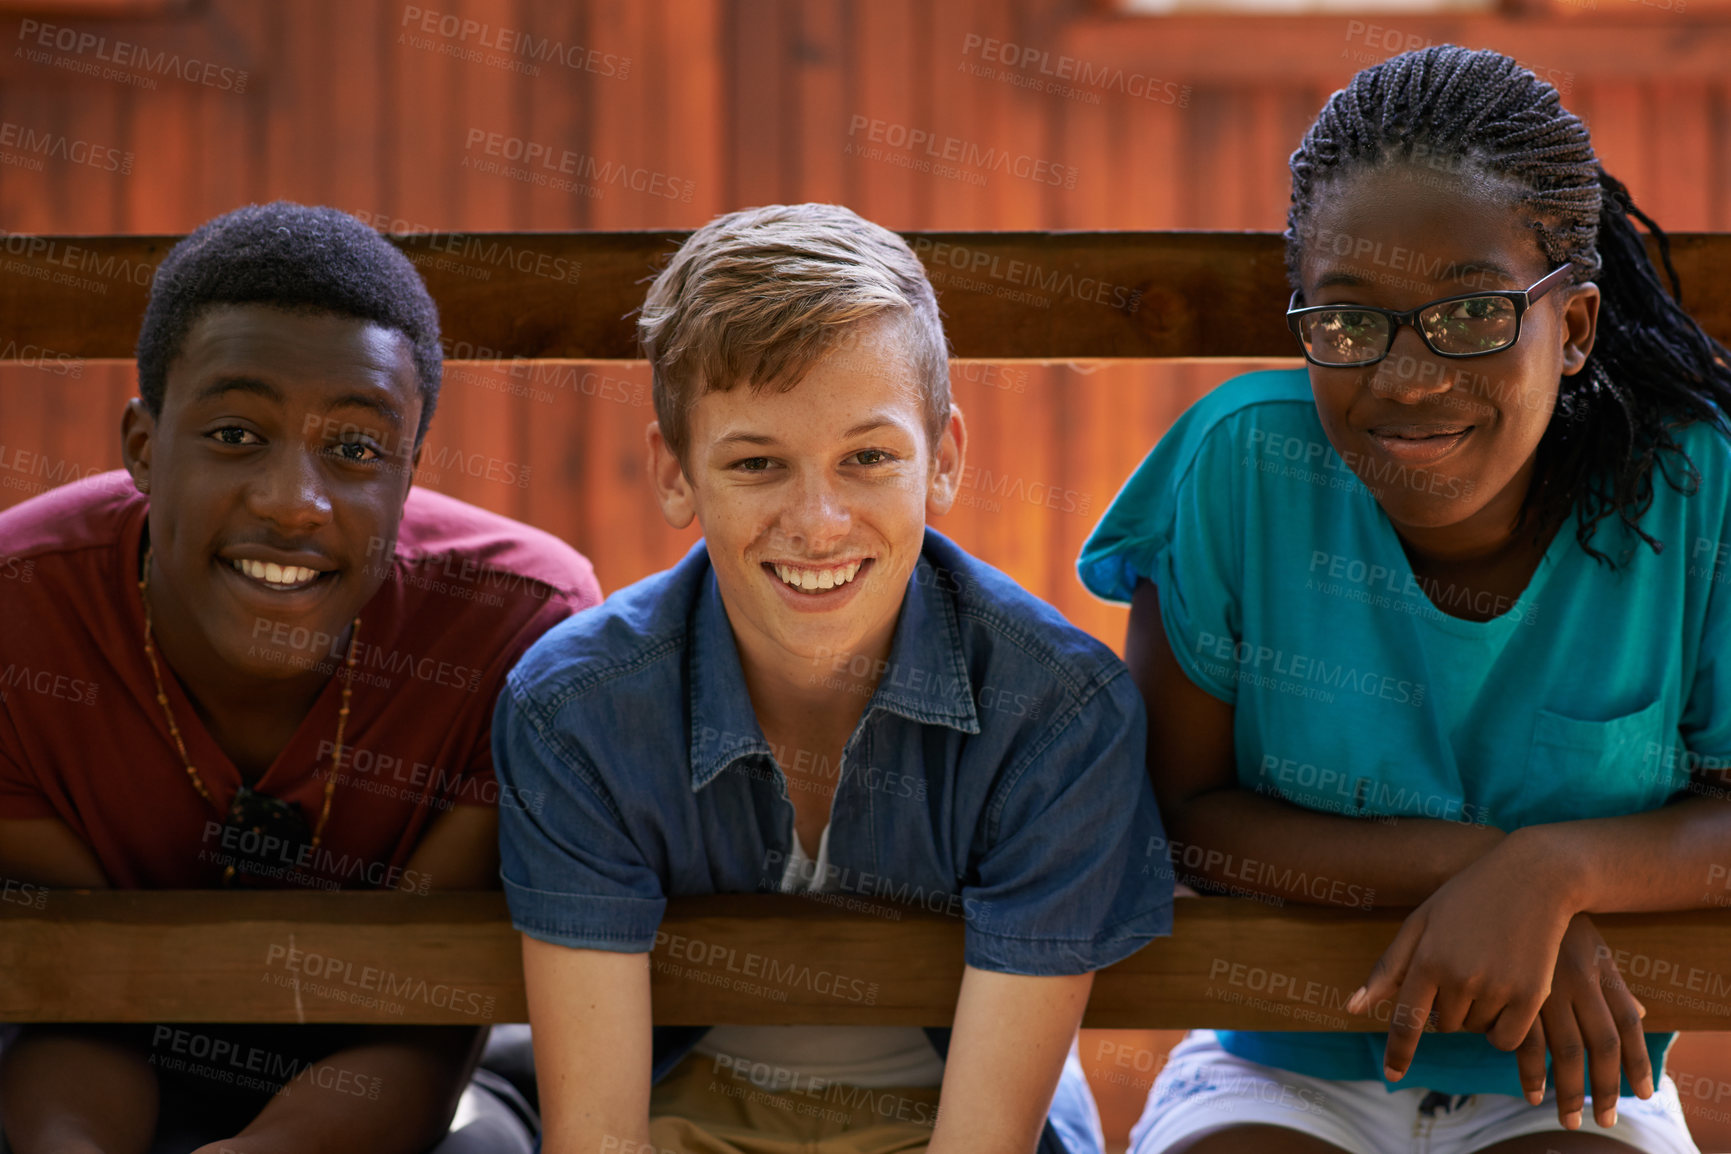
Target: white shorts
1074, 1116
1202, 1087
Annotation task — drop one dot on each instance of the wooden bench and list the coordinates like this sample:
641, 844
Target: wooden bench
1189, 296
763, 959
746, 959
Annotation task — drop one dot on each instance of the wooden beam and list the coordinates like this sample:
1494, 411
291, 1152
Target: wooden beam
63, 11
748, 959
1651, 42
1040, 296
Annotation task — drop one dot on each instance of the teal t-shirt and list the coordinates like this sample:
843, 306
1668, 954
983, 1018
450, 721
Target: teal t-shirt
1285, 592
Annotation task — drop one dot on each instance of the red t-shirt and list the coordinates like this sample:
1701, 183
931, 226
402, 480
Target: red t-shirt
83, 738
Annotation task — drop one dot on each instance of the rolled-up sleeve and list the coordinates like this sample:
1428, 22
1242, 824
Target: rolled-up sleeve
1069, 882
1705, 725
572, 874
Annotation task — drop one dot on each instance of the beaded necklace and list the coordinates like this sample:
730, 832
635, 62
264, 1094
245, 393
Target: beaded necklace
174, 729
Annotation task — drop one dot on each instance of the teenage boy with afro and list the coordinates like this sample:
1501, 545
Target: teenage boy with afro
259, 657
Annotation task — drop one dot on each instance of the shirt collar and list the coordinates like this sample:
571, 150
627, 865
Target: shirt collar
925, 679
723, 725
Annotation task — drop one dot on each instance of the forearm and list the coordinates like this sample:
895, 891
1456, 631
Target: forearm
71, 1089
580, 1119
1247, 841
45, 852
592, 1136
1674, 858
1012, 1034
593, 1046
394, 1096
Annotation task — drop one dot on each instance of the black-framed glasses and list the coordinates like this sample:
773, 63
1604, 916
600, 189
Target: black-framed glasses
1469, 325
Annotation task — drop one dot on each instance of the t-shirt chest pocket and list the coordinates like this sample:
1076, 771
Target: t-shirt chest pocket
1586, 769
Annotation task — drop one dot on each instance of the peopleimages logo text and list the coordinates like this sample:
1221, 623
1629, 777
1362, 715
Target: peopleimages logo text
125, 54
955, 150
1104, 77
516, 42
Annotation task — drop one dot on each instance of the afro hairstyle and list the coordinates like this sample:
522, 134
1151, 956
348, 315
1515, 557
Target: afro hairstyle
295, 257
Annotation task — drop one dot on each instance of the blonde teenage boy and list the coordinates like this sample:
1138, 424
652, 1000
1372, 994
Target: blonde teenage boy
824, 695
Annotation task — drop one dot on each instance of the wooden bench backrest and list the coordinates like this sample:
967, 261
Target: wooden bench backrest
299, 957
1054, 296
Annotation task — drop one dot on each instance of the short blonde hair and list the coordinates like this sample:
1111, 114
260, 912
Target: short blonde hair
761, 295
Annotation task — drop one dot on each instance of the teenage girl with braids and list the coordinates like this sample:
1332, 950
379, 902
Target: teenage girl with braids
1462, 576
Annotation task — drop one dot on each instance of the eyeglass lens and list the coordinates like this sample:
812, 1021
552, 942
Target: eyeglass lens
1348, 336
1474, 325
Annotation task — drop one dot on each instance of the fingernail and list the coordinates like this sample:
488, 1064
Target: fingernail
1352, 1003
1645, 1089
1572, 1120
1535, 1097
1609, 1117
1392, 1074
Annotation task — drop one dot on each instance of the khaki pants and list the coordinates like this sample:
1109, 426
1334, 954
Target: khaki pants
700, 1109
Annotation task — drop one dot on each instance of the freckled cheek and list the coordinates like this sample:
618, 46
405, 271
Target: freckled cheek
893, 503
741, 513
771, 528
896, 511
764, 535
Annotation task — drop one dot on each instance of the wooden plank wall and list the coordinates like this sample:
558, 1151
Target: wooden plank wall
739, 102
731, 102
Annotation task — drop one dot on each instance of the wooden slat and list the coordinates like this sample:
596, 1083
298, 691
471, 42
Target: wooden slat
761, 34
68, 10
1205, 295
749, 959
1620, 41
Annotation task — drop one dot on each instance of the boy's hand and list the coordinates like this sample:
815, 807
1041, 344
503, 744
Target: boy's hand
1591, 1018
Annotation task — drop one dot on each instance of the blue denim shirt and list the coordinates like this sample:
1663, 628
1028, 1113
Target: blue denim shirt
996, 773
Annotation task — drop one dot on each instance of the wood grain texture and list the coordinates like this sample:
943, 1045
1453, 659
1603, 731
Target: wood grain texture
356, 104
1006, 296
1564, 50
746, 959
342, 109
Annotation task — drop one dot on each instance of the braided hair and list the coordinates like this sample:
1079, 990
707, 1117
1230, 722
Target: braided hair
1652, 369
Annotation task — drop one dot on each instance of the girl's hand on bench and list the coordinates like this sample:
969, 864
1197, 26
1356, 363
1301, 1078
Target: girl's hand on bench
1479, 954
1589, 1017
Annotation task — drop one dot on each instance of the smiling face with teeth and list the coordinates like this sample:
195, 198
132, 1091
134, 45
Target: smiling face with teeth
277, 472
1447, 445
813, 501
